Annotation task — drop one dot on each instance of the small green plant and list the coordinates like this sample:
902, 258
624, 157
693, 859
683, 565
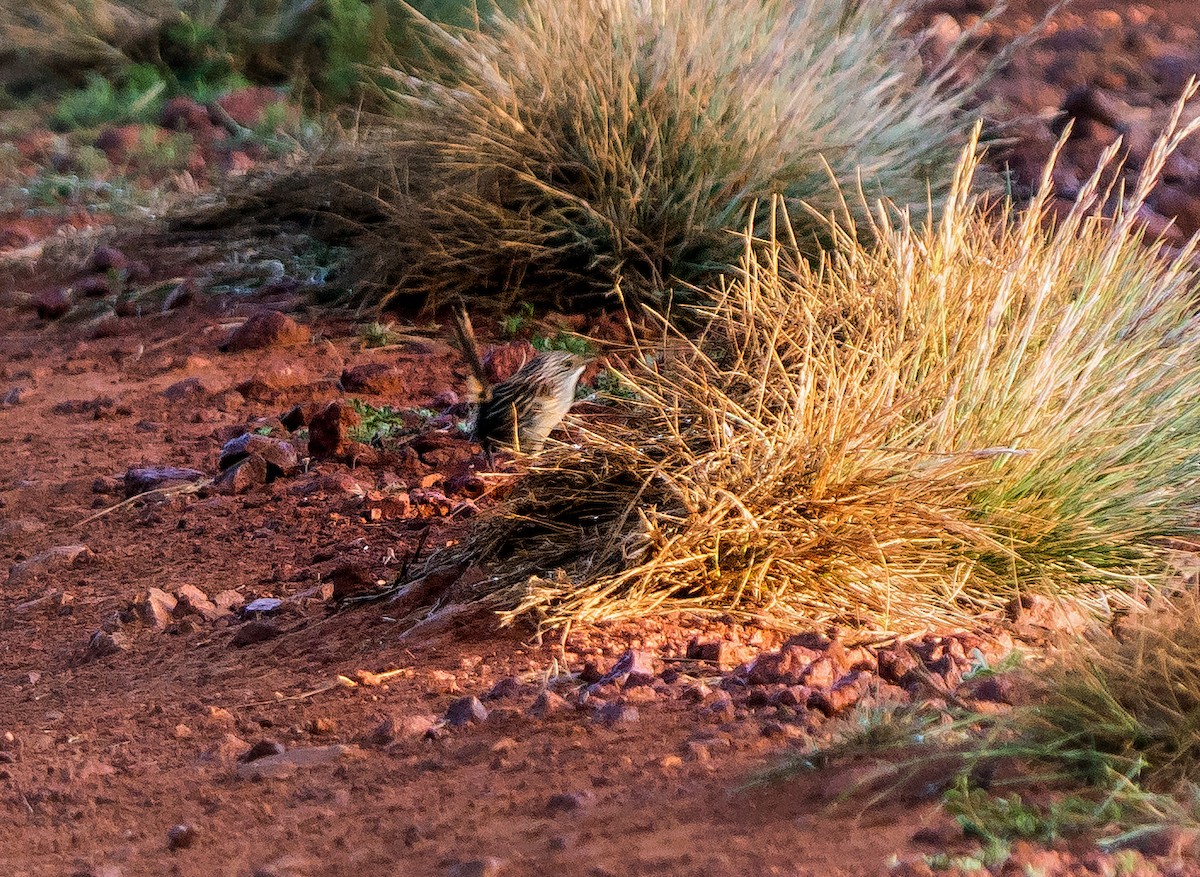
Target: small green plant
376, 334
161, 156
994, 818
264, 430
138, 98
516, 323
567, 341
380, 423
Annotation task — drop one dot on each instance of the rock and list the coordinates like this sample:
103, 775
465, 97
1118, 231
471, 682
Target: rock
14, 396
140, 479
298, 416
57, 558
262, 606
634, 667
509, 686
569, 802
190, 600
228, 600
244, 477
108, 259
185, 115
846, 692
489, 867
724, 654
994, 689
328, 431
180, 837
468, 484
266, 385
288, 763
188, 388
267, 329
181, 295
93, 287
279, 455
375, 378
156, 607
351, 579
617, 714
466, 711
548, 704
262, 749
51, 304
253, 632
396, 728
102, 643
227, 750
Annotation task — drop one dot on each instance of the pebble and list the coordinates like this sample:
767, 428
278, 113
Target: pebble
264, 330
569, 802
547, 703
465, 711
180, 837
52, 560
102, 643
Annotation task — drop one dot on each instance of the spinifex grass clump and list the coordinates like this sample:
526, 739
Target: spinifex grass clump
575, 145
907, 433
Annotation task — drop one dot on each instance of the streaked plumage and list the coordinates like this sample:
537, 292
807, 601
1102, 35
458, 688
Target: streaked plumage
523, 410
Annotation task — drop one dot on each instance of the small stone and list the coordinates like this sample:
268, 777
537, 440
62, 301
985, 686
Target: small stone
14, 396
262, 606
489, 867
108, 259
141, 479
267, 329
243, 477
351, 579
188, 388
180, 837
465, 711
546, 704
617, 714
156, 607
104, 643
670, 762
374, 378
57, 558
262, 749
51, 304
288, 763
279, 455
569, 802
724, 654
253, 632
191, 600
228, 600
399, 727
632, 668
329, 429
320, 725
509, 686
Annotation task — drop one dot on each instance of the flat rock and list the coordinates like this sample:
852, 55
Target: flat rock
140, 479
374, 378
57, 558
262, 606
287, 763
267, 329
279, 455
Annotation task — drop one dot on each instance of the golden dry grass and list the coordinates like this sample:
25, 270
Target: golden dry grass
905, 434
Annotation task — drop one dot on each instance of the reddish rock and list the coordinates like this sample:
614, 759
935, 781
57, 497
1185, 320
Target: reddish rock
103, 643
119, 142
264, 330
51, 304
190, 600
188, 388
328, 431
396, 728
548, 704
50, 561
268, 384
108, 259
243, 477
279, 455
376, 378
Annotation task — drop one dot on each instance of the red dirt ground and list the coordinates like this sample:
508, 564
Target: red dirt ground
103, 757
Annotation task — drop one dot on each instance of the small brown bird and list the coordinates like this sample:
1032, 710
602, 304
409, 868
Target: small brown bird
520, 413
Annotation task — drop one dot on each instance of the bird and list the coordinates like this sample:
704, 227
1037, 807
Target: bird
519, 413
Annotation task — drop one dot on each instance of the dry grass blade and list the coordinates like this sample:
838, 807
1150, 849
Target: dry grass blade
903, 435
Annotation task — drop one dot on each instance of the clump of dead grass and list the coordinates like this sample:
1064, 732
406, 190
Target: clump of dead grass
903, 434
